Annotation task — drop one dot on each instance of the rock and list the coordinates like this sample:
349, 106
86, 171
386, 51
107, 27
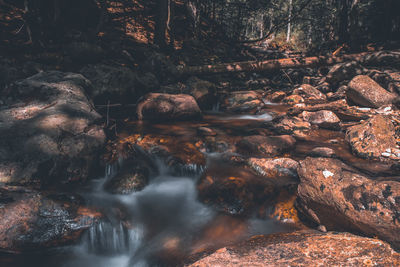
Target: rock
343, 72
161, 107
324, 87
339, 94
160, 64
365, 92
51, 133
83, 52
30, 220
283, 171
323, 152
265, 146
322, 118
204, 131
146, 82
242, 101
335, 195
113, 83
394, 84
203, 91
288, 125
277, 96
293, 100
130, 178
304, 248
373, 137
309, 93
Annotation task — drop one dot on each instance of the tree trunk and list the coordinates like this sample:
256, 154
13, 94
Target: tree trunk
160, 30
289, 21
274, 64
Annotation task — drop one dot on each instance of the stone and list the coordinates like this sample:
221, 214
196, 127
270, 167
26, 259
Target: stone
365, 92
288, 125
277, 96
309, 93
303, 248
293, 100
337, 196
322, 118
203, 91
282, 171
50, 133
204, 131
168, 107
373, 137
242, 101
323, 152
30, 220
265, 146
343, 72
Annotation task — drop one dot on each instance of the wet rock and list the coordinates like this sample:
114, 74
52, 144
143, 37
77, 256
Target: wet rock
309, 93
206, 131
335, 195
51, 133
304, 248
277, 96
343, 72
282, 171
365, 92
323, 152
203, 91
373, 138
293, 100
323, 118
242, 101
288, 125
160, 107
113, 83
30, 220
265, 146
130, 178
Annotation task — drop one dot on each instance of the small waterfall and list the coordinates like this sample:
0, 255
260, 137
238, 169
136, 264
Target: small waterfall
106, 238
216, 107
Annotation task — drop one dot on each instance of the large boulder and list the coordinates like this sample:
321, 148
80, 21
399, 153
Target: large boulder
374, 138
304, 248
365, 92
159, 107
117, 84
338, 197
203, 91
265, 146
50, 132
30, 220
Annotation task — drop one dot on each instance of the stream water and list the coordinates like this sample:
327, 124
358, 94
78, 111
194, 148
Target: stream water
165, 222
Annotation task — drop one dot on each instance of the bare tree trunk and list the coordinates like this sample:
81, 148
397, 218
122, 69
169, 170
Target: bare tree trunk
289, 21
161, 23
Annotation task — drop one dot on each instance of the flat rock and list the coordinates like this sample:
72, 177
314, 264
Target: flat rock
374, 138
288, 125
50, 131
265, 146
304, 248
168, 107
337, 196
365, 92
30, 220
322, 118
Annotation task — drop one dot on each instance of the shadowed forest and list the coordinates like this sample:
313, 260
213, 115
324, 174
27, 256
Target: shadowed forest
199, 133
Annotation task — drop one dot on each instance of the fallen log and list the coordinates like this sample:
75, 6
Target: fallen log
285, 63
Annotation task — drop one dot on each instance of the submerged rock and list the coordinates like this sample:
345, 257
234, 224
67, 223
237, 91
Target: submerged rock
50, 132
242, 101
265, 146
30, 220
304, 248
338, 197
365, 92
375, 138
159, 107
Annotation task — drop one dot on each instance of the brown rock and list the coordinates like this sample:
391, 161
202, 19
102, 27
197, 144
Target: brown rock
203, 91
282, 171
304, 248
335, 195
206, 131
29, 220
293, 100
375, 138
156, 107
323, 118
288, 125
343, 71
242, 101
277, 96
309, 93
266, 146
365, 92
324, 152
